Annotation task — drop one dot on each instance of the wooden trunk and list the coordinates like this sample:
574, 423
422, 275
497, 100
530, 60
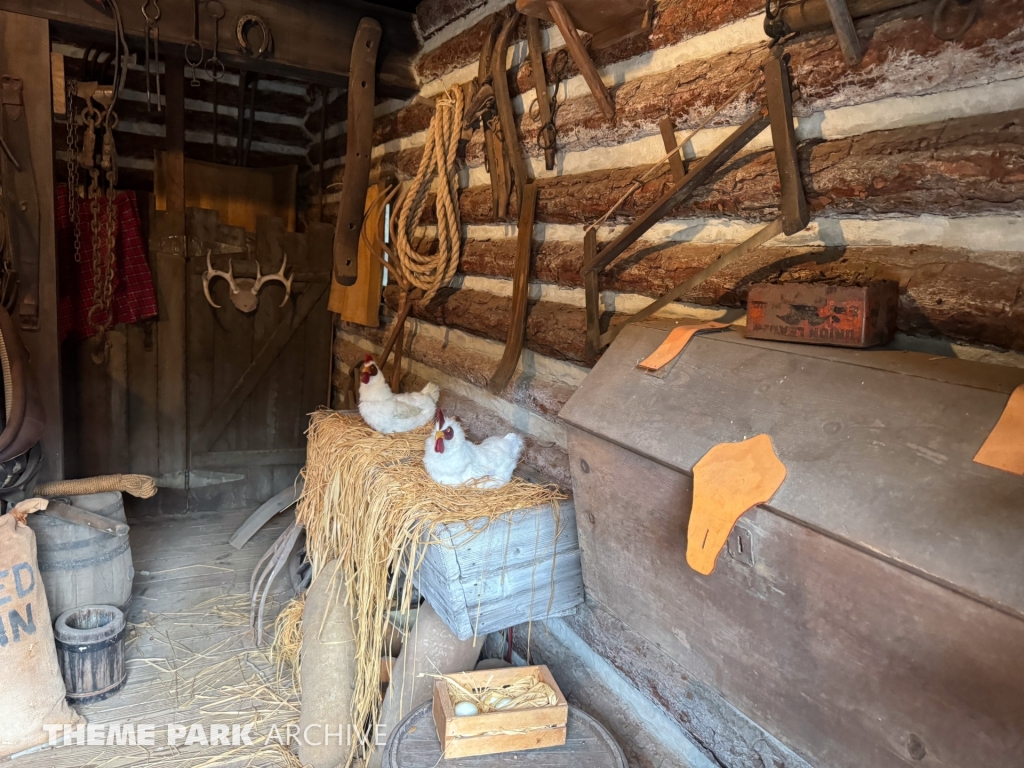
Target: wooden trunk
873, 613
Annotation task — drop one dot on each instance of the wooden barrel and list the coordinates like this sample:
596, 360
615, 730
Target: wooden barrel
414, 744
81, 566
90, 647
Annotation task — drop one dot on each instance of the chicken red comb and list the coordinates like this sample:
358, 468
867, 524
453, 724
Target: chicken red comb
439, 418
369, 358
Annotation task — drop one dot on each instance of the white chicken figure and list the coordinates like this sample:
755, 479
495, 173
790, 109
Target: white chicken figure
387, 412
451, 459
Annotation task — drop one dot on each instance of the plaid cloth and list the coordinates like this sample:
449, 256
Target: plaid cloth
134, 295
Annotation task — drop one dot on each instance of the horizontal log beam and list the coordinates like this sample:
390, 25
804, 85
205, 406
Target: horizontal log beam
554, 330
968, 165
690, 91
543, 397
312, 40
956, 294
674, 21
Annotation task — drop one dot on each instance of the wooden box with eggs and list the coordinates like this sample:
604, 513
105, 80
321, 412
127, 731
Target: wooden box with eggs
499, 710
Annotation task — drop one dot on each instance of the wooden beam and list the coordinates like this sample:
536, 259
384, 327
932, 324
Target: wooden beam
520, 291
25, 54
349, 225
312, 40
226, 410
698, 175
668, 137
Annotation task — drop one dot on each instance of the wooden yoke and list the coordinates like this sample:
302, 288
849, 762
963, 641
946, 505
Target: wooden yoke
794, 217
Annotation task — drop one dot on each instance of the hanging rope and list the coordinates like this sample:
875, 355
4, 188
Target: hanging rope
430, 272
142, 486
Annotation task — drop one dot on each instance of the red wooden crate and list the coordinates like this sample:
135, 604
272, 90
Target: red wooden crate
821, 313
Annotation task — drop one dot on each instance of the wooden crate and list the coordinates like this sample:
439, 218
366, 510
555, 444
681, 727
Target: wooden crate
821, 313
525, 566
494, 732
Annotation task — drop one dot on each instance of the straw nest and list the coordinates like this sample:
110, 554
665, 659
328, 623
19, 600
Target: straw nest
527, 692
369, 502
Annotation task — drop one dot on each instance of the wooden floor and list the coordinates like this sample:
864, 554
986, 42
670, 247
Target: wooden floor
191, 657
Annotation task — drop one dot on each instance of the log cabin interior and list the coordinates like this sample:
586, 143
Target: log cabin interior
462, 382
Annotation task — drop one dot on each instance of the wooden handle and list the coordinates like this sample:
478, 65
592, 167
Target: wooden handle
85, 518
579, 54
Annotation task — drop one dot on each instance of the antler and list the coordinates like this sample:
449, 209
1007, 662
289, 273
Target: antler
211, 273
279, 276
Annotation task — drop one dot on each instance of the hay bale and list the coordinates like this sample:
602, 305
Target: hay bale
432, 649
328, 670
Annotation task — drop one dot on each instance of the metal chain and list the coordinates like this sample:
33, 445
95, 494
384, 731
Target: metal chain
76, 223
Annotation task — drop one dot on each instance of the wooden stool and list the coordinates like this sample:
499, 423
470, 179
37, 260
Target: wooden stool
414, 744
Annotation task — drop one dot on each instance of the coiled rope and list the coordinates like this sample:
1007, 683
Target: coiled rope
429, 272
141, 486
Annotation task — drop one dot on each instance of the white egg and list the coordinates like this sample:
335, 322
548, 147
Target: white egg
466, 709
503, 703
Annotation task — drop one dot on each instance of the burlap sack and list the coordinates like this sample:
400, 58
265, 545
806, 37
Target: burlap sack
31, 687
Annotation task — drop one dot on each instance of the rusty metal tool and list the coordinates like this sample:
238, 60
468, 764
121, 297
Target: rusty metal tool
69, 514
520, 291
546, 134
151, 12
359, 144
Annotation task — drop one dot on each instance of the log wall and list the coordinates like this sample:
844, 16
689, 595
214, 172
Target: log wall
912, 162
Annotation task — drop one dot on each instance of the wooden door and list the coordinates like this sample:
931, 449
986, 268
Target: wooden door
253, 379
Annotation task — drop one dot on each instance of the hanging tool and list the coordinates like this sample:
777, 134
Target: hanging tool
506, 115
248, 84
194, 53
545, 114
552, 10
245, 23
151, 12
19, 202
361, 89
214, 66
520, 292
793, 217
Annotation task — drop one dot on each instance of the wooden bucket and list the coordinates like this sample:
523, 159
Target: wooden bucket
90, 647
81, 566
